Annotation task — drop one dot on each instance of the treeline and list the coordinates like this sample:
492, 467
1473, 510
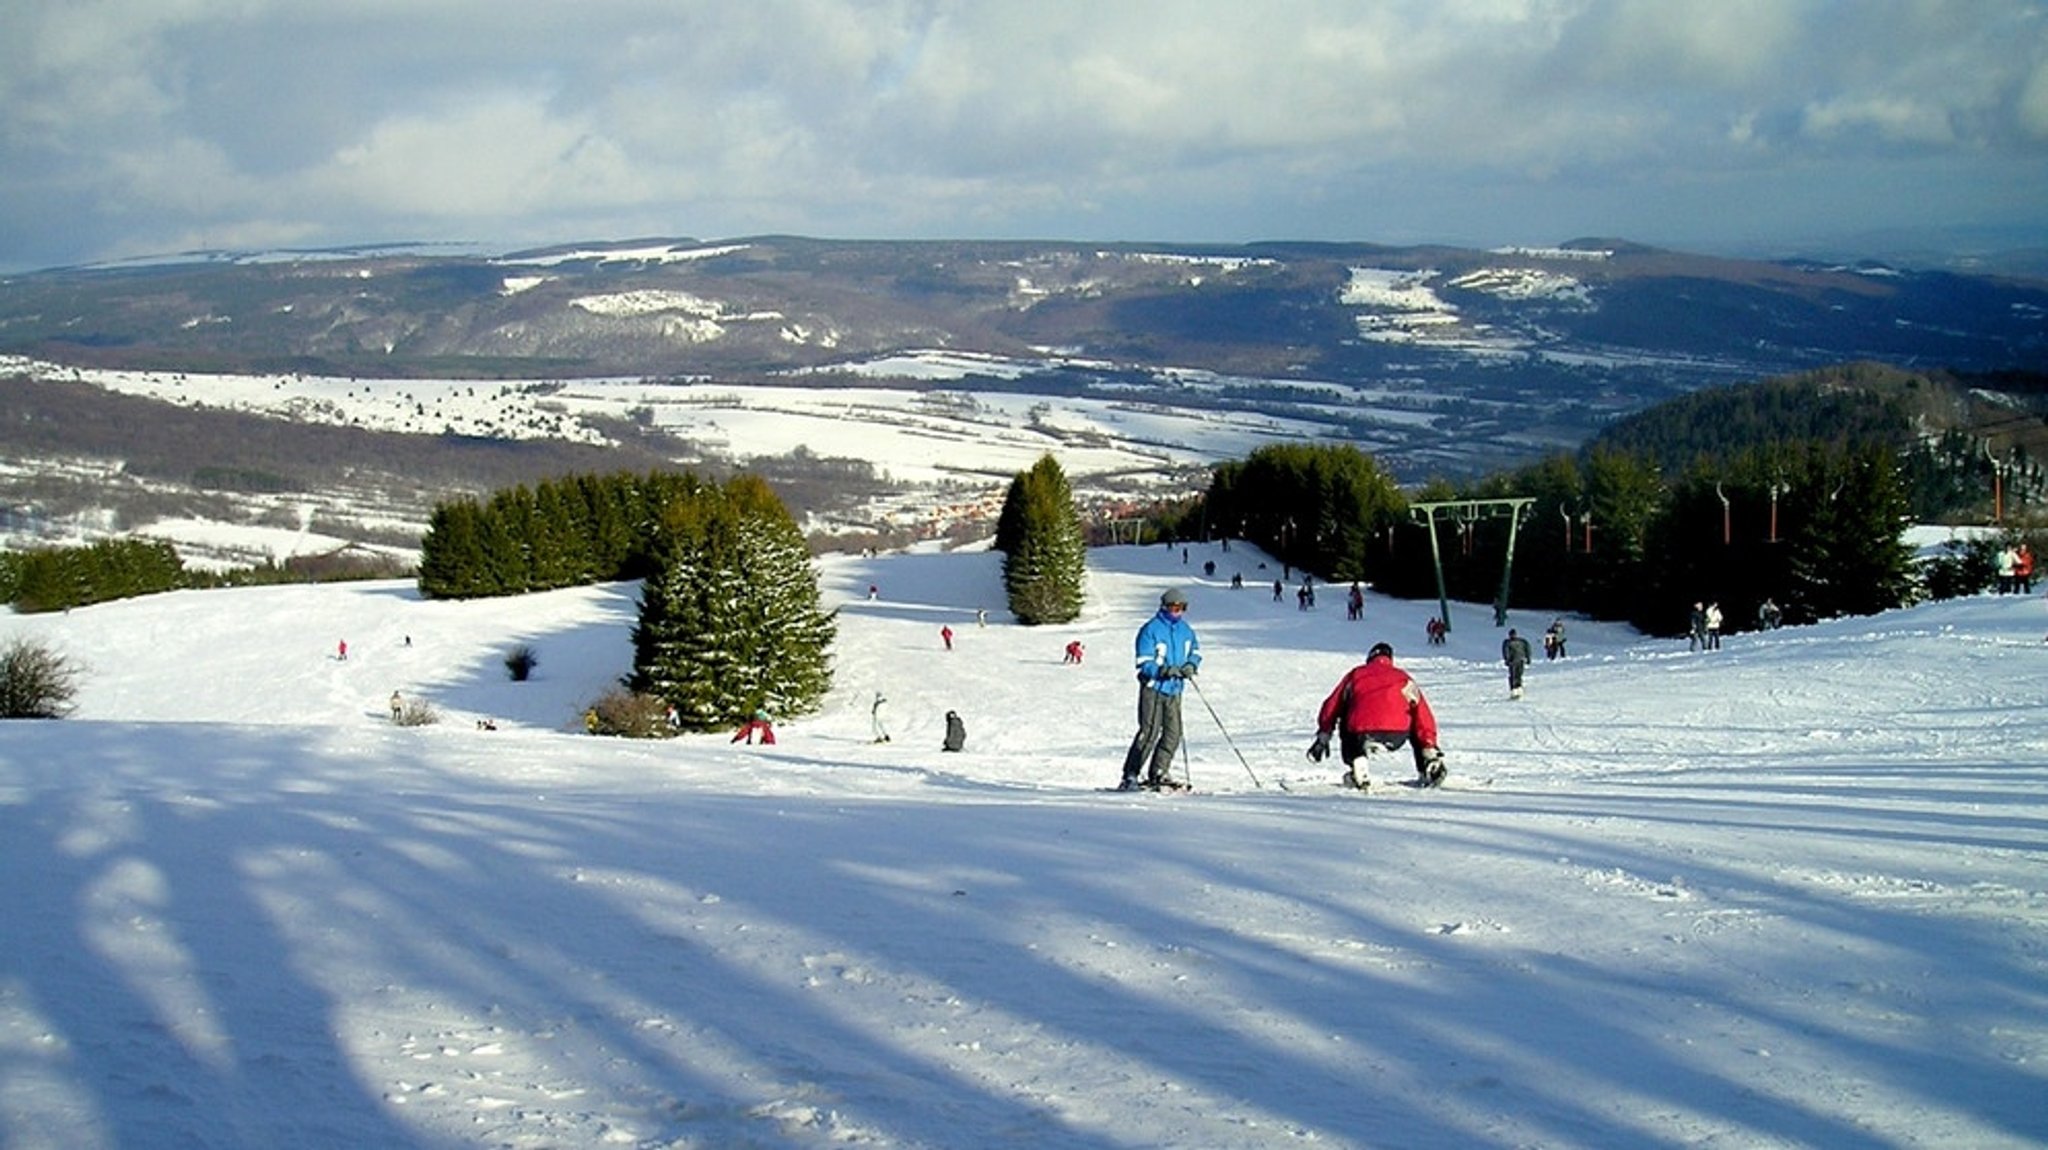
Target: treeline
1947, 472
729, 617
557, 533
60, 578
1795, 492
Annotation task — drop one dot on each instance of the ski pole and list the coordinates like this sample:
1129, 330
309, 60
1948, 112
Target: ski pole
1197, 683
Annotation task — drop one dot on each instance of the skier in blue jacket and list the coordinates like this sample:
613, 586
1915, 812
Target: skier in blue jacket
1168, 655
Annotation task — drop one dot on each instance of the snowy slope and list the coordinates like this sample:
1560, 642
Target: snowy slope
1790, 893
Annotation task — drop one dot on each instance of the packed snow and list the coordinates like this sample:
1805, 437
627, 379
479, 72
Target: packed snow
1787, 893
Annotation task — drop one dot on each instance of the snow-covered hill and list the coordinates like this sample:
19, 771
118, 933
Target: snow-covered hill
1789, 893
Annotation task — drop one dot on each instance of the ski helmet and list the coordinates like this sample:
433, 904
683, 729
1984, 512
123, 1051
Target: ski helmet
1174, 597
1379, 649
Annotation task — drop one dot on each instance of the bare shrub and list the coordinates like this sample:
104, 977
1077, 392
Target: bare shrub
35, 682
630, 714
416, 713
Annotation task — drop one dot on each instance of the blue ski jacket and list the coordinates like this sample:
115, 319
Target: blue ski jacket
1166, 640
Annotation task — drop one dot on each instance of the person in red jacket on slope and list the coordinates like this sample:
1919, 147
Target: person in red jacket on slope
1377, 705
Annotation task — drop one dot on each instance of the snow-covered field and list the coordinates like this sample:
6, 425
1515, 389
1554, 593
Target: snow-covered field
1790, 893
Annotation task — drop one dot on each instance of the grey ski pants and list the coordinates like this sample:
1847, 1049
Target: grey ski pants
1158, 734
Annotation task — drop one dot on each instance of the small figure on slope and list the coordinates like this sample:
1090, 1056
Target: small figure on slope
1768, 616
1168, 655
1514, 651
1376, 705
875, 718
956, 733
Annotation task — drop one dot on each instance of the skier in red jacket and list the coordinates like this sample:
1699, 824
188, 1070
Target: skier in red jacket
1377, 704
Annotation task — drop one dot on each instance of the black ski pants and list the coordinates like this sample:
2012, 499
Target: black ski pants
1352, 745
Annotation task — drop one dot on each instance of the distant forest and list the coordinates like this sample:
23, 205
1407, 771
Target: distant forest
1792, 491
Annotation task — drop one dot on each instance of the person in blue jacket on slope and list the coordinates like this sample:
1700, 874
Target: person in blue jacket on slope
1168, 655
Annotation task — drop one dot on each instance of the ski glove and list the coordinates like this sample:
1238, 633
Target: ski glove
1320, 749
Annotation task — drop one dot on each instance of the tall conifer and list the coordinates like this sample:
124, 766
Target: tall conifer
730, 620
1046, 563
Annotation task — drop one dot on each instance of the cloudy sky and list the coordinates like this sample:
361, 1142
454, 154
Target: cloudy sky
134, 127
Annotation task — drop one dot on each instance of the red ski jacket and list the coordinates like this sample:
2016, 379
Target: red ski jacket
1379, 698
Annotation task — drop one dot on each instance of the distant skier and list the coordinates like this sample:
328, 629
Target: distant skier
1713, 626
1376, 704
875, 718
397, 706
1168, 655
956, 733
1514, 651
1074, 652
946, 637
1354, 603
341, 650
1768, 616
1553, 640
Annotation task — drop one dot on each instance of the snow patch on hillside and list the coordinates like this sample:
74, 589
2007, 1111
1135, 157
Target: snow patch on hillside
1394, 290
653, 253
1527, 284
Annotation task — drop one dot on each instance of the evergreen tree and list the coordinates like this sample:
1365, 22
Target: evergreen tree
730, 622
1318, 507
1046, 564
451, 552
58, 578
1849, 558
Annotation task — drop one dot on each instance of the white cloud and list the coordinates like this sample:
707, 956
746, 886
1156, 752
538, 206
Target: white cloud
496, 156
1201, 119
2032, 113
1893, 119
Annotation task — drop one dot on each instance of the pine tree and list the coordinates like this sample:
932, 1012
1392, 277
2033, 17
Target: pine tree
730, 622
1044, 569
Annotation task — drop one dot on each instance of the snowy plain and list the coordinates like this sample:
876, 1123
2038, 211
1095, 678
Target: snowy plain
1789, 893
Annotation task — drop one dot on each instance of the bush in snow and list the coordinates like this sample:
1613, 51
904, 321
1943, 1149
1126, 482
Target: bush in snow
35, 682
416, 713
630, 714
520, 662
